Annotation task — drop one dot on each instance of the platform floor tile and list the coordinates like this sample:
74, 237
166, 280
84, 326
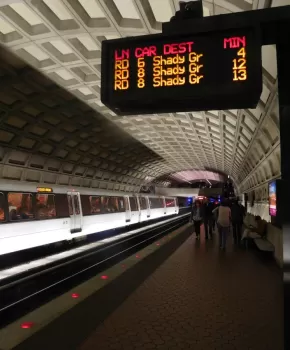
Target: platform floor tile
203, 299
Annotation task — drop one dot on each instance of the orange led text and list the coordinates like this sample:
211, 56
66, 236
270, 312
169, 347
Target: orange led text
195, 74
194, 57
177, 59
121, 74
159, 81
240, 66
168, 71
141, 73
159, 70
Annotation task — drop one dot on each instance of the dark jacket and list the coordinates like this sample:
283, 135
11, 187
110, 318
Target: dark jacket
193, 211
207, 210
237, 213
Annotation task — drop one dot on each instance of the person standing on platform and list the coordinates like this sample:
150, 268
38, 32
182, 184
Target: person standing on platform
196, 217
223, 223
237, 213
208, 218
257, 231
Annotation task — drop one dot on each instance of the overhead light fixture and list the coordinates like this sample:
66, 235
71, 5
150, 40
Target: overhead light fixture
209, 182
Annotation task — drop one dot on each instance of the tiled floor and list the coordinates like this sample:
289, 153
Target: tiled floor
186, 295
200, 298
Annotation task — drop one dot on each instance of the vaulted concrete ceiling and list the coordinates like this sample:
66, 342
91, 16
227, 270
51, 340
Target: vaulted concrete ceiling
62, 39
48, 135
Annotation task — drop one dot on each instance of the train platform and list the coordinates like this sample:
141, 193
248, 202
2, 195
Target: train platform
184, 294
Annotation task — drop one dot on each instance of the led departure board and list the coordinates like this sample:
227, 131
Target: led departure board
158, 73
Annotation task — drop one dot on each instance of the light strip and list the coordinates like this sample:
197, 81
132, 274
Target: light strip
209, 182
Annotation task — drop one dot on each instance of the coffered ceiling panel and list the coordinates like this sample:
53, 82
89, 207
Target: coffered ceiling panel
44, 128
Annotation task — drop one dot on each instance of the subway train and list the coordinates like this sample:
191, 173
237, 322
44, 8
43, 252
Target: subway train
35, 215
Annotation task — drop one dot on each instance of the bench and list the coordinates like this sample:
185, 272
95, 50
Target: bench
272, 246
264, 245
265, 249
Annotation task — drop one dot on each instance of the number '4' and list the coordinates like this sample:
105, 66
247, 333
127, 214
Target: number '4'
242, 52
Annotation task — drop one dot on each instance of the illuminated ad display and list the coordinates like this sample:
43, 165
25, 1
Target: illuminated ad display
272, 199
157, 73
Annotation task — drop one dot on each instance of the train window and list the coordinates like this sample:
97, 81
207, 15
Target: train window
95, 202
169, 202
156, 203
133, 204
2, 208
70, 206
20, 206
76, 205
45, 206
183, 202
143, 203
121, 204
114, 204
104, 204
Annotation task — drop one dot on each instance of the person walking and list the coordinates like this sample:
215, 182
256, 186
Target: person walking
196, 217
214, 217
223, 222
237, 214
208, 218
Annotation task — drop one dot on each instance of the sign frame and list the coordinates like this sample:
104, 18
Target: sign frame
251, 98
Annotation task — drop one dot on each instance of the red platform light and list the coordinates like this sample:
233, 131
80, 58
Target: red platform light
27, 325
137, 256
157, 243
123, 266
75, 295
104, 277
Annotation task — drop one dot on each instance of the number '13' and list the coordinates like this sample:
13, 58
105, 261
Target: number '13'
240, 74
240, 69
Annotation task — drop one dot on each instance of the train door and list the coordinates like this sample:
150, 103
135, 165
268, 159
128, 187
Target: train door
139, 208
164, 205
127, 208
134, 210
148, 207
75, 211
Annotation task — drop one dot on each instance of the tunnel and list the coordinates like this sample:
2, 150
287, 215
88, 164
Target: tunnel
55, 131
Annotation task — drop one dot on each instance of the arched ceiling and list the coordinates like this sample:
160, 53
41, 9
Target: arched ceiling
62, 39
48, 135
